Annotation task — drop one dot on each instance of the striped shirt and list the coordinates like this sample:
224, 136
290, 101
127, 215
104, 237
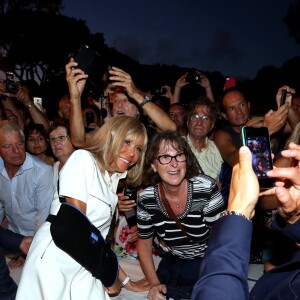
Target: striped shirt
203, 208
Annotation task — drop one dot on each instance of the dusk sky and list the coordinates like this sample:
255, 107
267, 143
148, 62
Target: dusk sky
236, 37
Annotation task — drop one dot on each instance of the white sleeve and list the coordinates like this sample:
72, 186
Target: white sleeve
76, 177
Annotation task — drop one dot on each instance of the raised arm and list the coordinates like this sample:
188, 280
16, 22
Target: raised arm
180, 83
9, 105
293, 117
76, 80
36, 115
158, 116
224, 269
205, 83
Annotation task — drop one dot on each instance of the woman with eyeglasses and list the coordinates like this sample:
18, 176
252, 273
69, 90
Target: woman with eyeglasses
60, 142
175, 186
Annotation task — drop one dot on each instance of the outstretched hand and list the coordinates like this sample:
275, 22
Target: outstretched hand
244, 187
287, 186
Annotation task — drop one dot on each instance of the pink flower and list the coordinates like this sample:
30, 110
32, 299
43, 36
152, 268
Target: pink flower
124, 233
130, 248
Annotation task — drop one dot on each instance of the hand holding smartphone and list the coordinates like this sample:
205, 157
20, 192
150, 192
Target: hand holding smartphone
131, 215
38, 102
257, 139
283, 97
92, 63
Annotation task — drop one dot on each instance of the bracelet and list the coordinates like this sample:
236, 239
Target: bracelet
228, 213
125, 281
29, 106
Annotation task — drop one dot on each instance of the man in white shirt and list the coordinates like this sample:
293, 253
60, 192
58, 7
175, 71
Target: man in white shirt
25, 181
201, 117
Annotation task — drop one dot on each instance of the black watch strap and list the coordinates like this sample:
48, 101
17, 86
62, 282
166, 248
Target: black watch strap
145, 101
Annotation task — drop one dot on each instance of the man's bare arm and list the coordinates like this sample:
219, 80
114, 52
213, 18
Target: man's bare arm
229, 152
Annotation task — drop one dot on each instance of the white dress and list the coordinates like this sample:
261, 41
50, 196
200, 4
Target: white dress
50, 273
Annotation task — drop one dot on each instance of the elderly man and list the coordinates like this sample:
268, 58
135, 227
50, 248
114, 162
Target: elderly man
201, 117
26, 183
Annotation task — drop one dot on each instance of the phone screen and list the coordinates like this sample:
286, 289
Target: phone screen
258, 141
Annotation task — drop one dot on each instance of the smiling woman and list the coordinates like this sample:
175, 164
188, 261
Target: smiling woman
180, 205
88, 181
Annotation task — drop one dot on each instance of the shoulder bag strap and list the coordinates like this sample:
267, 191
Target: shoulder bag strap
170, 211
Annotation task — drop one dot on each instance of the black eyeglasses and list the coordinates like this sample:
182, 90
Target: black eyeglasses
166, 159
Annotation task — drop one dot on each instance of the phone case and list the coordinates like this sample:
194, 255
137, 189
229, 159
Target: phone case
92, 63
257, 139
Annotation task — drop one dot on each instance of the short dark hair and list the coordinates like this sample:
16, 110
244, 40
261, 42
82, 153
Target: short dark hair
33, 127
212, 107
232, 89
178, 142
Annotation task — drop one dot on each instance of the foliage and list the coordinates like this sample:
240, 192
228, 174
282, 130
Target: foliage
35, 43
292, 20
53, 6
38, 40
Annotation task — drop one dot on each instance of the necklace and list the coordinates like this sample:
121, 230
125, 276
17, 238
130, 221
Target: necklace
177, 204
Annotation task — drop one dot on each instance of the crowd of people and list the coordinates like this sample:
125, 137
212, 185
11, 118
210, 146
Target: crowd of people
196, 189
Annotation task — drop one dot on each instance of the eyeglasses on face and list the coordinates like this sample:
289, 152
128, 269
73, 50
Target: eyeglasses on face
196, 117
166, 159
60, 138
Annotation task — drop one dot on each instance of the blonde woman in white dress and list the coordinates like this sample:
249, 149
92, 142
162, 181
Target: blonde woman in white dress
89, 181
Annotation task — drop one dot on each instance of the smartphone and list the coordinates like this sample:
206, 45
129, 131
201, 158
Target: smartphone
283, 97
130, 215
258, 141
229, 83
92, 63
89, 118
38, 102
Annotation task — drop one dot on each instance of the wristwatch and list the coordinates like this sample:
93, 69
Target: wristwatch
145, 101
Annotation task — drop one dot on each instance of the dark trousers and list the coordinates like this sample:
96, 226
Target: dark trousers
179, 275
8, 287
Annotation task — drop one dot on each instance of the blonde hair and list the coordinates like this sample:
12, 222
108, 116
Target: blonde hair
106, 144
294, 137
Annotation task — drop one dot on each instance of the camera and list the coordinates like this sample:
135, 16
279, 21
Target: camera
158, 92
192, 77
10, 84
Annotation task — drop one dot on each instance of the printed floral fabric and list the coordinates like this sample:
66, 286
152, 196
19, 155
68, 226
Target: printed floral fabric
122, 246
